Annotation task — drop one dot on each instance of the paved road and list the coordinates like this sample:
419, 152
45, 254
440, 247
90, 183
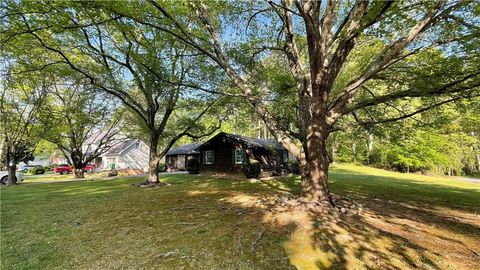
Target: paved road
468, 179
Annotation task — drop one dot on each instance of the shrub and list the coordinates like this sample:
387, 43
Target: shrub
252, 168
293, 167
50, 167
192, 166
37, 170
162, 167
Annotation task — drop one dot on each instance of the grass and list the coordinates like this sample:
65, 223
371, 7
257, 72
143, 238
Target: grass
54, 177
199, 222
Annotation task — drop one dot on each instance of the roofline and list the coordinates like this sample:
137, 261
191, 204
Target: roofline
238, 137
125, 149
195, 149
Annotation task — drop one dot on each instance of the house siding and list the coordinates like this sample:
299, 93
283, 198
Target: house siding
132, 157
270, 154
222, 156
223, 148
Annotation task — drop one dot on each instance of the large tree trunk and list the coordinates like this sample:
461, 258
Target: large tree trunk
12, 178
79, 173
153, 161
314, 171
315, 161
78, 164
12, 168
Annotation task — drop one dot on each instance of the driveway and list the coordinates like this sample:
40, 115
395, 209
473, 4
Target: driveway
468, 179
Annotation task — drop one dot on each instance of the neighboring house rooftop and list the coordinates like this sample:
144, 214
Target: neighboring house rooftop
97, 137
118, 148
186, 149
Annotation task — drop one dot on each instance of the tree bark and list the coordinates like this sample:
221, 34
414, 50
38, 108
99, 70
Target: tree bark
78, 164
315, 161
314, 165
11, 168
79, 173
12, 178
153, 160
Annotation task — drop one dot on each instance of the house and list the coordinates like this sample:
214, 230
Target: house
176, 159
228, 152
127, 154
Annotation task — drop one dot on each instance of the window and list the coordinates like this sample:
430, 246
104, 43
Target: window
208, 157
238, 156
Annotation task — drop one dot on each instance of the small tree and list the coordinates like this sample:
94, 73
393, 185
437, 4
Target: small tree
83, 120
22, 97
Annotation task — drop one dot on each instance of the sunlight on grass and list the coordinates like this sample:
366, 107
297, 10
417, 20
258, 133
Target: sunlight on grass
199, 222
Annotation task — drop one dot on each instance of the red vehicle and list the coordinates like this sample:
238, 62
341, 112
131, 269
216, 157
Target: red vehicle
65, 168
89, 168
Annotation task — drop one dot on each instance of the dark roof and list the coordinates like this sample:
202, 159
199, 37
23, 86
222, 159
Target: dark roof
251, 142
186, 149
255, 142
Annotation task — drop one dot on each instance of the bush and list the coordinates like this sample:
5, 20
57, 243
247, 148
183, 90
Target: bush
50, 167
192, 166
293, 167
37, 170
162, 167
252, 168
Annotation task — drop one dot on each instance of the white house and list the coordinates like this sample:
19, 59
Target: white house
128, 154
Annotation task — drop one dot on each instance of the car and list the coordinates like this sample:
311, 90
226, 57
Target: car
26, 168
63, 169
4, 177
89, 167
34, 169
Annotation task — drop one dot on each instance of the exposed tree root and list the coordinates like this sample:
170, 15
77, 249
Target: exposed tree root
341, 204
147, 184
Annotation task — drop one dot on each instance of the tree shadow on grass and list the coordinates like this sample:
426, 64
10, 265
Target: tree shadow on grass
392, 189
320, 238
406, 189
214, 223
400, 232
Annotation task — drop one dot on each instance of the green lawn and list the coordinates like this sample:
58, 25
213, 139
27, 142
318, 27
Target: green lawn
54, 177
199, 222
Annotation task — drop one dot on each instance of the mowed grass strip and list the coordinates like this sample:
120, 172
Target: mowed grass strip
202, 222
